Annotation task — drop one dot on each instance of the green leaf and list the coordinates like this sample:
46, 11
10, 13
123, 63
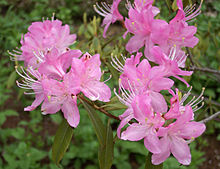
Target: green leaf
2, 119
106, 152
114, 104
96, 122
149, 164
61, 141
169, 3
174, 6
11, 79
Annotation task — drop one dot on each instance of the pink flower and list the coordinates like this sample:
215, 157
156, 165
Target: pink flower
143, 5
178, 34
56, 64
32, 81
142, 24
62, 96
86, 74
174, 138
187, 14
43, 36
177, 105
145, 80
170, 63
110, 12
146, 126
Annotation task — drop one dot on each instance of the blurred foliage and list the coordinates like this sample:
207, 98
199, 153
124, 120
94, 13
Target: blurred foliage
29, 136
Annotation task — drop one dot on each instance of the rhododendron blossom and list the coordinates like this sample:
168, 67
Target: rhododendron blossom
174, 138
142, 24
110, 12
43, 36
146, 78
171, 63
146, 128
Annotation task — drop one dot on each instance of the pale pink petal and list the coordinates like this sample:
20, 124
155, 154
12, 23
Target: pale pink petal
158, 102
159, 84
164, 154
192, 130
180, 150
71, 111
134, 132
123, 123
106, 28
38, 99
49, 107
96, 90
151, 141
135, 43
66, 58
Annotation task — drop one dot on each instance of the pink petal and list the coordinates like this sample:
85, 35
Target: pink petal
123, 123
135, 43
192, 130
134, 132
152, 142
96, 90
158, 102
164, 154
71, 111
38, 99
49, 107
180, 150
159, 84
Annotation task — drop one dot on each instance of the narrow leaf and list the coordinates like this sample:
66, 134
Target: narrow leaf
96, 122
114, 104
169, 4
61, 141
106, 152
149, 164
11, 79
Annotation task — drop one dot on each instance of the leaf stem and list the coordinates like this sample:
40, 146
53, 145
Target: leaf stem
99, 108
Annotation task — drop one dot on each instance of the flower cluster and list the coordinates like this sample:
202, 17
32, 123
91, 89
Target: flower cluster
57, 74
165, 129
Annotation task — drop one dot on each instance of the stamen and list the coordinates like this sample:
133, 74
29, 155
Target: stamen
101, 11
129, 5
123, 57
108, 79
185, 96
16, 56
192, 13
38, 57
106, 6
117, 64
203, 89
119, 98
52, 18
196, 109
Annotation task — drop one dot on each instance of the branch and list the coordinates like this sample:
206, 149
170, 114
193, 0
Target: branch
99, 108
210, 117
190, 56
194, 68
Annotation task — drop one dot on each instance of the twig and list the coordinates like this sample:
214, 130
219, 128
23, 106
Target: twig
190, 56
99, 108
210, 117
208, 70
